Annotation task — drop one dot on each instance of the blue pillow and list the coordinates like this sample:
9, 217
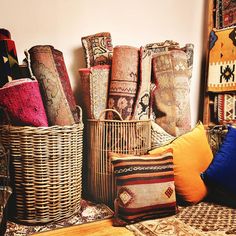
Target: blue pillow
221, 173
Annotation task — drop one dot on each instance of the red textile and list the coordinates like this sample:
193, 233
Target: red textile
23, 102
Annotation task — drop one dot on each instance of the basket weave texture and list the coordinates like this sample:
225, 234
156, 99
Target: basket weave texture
46, 166
120, 136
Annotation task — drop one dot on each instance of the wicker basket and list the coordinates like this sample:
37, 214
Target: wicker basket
120, 136
46, 165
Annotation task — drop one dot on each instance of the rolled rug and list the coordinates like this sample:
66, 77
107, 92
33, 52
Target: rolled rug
172, 100
98, 49
8, 58
23, 103
124, 79
45, 70
94, 82
65, 81
142, 108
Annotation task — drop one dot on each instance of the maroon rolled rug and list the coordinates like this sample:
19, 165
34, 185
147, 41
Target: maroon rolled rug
94, 82
23, 103
98, 49
124, 79
65, 81
45, 70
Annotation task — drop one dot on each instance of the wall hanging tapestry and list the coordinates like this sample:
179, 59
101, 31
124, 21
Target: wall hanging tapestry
44, 69
94, 83
124, 78
142, 106
98, 49
225, 15
222, 63
65, 81
172, 110
8, 58
226, 108
23, 103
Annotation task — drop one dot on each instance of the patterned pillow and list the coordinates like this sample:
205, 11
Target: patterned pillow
221, 172
145, 187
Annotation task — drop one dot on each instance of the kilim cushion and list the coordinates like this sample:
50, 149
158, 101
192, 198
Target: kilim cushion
221, 173
192, 155
145, 187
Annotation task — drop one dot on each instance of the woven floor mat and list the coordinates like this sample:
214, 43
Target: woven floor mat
89, 212
203, 219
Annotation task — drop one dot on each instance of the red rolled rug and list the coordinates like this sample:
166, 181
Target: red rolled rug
45, 70
23, 102
94, 82
65, 81
124, 79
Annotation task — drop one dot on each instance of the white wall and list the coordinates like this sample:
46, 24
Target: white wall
62, 23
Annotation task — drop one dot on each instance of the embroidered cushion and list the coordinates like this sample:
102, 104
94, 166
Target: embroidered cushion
192, 155
221, 173
145, 186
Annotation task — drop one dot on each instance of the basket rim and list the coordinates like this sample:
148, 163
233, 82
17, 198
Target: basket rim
118, 121
9, 126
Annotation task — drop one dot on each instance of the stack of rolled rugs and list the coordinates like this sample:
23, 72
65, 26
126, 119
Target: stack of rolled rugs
44, 97
150, 82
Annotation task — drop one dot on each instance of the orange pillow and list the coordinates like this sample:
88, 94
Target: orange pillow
192, 155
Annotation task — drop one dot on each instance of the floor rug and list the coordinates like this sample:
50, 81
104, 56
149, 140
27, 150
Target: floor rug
203, 219
89, 212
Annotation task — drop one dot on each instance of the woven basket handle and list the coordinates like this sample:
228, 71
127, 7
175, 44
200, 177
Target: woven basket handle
115, 111
80, 113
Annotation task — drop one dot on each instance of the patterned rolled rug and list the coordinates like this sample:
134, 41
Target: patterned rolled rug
23, 103
222, 61
94, 82
98, 49
142, 104
65, 81
46, 72
124, 79
172, 94
8, 58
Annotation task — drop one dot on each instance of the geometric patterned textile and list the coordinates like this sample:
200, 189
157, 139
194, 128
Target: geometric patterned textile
225, 13
8, 58
222, 61
44, 68
145, 187
98, 49
23, 102
202, 219
65, 81
189, 50
226, 108
124, 79
159, 136
88, 212
141, 109
94, 83
171, 97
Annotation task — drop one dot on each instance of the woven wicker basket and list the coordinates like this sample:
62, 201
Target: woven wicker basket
120, 136
46, 165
